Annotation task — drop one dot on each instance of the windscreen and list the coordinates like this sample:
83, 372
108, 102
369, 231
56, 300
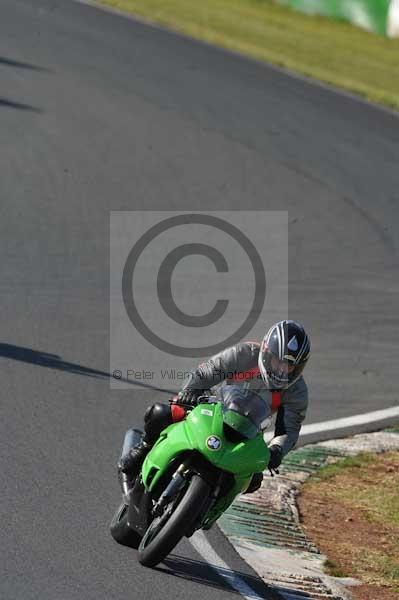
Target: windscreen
247, 404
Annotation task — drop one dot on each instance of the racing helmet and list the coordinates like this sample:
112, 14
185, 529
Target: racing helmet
283, 354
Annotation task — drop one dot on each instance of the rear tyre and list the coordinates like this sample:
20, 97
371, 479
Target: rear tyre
120, 530
166, 531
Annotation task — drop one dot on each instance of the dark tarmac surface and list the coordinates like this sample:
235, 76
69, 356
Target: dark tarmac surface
99, 113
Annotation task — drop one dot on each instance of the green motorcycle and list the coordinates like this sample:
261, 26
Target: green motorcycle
193, 472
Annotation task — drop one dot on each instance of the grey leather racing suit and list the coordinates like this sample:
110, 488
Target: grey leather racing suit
239, 364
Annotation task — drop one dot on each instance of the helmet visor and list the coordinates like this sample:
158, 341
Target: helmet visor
281, 373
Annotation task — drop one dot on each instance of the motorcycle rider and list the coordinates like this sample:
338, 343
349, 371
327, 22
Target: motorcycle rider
272, 369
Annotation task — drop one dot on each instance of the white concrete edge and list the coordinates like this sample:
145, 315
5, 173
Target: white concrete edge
204, 549
298, 565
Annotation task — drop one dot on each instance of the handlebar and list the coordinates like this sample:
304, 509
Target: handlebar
204, 399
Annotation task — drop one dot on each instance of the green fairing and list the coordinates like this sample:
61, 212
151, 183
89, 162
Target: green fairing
242, 459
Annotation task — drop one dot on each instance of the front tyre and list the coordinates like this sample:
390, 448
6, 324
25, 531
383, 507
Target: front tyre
121, 531
167, 530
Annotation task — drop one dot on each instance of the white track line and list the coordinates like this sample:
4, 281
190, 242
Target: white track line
371, 417
344, 422
203, 547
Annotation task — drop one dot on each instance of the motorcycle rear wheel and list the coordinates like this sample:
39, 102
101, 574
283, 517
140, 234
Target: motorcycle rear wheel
166, 531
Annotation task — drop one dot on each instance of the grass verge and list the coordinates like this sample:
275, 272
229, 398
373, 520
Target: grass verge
351, 511
333, 52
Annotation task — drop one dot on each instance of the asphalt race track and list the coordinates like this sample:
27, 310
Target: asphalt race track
99, 113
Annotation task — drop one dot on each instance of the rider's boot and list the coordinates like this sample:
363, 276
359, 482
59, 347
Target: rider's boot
157, 417
131, 463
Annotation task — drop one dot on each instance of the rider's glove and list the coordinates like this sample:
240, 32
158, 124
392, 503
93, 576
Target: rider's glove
188, 397
276, 456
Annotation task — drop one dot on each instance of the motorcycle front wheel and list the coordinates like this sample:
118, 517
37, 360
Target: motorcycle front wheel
177, 518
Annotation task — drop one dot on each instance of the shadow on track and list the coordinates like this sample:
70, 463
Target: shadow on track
5, 103
54, 361
215, 577
9, 62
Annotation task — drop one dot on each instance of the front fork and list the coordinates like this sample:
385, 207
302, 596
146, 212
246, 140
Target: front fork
175, 485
